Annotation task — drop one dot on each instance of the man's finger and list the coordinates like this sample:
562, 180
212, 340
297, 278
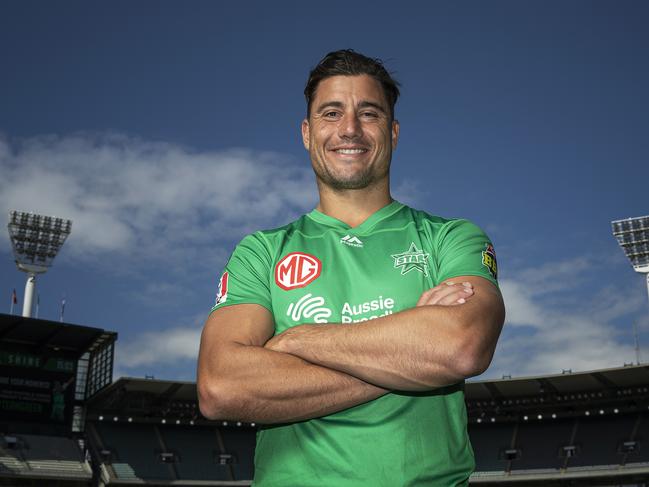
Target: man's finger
447, 294
459, 296
425, 296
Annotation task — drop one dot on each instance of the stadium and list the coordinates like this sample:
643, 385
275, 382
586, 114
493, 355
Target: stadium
66, 421
589, 428
166, 131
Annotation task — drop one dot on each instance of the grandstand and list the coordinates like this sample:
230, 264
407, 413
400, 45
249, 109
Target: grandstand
588, 428
576, 429
47, 371
153, 430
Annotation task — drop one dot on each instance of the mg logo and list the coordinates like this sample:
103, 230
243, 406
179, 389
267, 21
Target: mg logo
296, 270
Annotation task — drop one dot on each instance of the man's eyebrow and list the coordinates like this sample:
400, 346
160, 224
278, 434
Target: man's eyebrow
371, 104
363, 104
330, 104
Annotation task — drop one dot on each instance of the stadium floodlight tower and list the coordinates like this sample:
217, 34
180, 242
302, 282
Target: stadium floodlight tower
633, 236
36, 239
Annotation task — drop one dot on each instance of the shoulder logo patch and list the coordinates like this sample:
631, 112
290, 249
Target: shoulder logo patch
412, 259
222, 294
296, 270
489, 260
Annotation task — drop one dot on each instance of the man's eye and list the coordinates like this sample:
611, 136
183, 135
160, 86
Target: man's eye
370, 114
330, 114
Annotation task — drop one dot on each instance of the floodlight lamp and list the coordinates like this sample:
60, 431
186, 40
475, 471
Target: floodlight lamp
36, 239
633, 236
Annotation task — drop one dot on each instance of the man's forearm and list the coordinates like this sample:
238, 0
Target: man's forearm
416, 349
391, 351
266, 386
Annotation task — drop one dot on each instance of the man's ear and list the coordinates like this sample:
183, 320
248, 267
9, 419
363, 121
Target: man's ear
395, 133
305, 133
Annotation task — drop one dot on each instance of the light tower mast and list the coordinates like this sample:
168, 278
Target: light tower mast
633, 236
35, 239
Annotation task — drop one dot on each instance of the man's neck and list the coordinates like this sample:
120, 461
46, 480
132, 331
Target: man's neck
353, 206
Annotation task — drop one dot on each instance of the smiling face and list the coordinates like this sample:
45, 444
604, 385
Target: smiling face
350, 133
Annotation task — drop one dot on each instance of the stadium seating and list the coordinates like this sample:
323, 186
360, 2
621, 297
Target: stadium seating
198, 452
598, 440
641, 453
539, 443
134, 447
489, 441
241, 441
43, 457
195, 453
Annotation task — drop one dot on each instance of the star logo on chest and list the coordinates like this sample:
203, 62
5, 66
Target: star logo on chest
412, 259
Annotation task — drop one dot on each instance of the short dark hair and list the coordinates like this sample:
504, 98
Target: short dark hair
347, 62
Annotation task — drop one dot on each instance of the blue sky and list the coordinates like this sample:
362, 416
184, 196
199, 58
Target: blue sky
168, 130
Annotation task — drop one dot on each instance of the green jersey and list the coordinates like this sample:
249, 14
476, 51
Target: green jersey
320, 270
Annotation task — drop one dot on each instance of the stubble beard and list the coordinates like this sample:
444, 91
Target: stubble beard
359, 180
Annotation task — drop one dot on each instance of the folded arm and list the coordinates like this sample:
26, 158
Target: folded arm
240, 379
421, 348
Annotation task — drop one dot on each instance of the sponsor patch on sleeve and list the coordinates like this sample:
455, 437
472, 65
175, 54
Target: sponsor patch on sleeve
222, 294
489, 260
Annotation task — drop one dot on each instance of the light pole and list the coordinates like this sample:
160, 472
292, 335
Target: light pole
35, 239
633, 236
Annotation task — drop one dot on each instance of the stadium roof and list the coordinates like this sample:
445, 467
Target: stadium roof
619, 377
150, 398
145, 399
53, 335
170, 390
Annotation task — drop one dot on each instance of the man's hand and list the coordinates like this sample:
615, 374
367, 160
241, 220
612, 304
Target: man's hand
288, 340
448, 293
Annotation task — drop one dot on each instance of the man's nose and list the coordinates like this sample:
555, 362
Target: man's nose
350, 126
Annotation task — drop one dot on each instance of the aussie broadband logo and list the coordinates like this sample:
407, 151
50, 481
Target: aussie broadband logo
357, 312
307, 307
310, 307
297, 269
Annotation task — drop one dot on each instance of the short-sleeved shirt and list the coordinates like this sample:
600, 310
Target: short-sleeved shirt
318, 269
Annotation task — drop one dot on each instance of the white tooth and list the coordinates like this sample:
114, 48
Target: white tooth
350, 151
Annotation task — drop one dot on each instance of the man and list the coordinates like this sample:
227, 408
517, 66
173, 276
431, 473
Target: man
351, 330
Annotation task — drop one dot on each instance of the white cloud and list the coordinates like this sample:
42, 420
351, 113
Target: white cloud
164, 203
149, 200
409, 192
164, 347
546, 330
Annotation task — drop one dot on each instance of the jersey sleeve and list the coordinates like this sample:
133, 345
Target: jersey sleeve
245, 279
465, 250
